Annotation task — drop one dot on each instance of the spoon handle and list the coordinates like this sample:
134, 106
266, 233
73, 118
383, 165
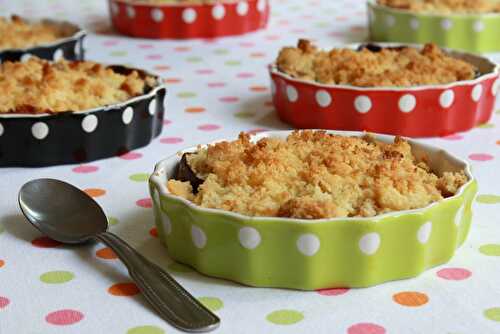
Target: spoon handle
167, 296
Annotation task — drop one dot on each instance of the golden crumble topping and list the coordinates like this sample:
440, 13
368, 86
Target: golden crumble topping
16, 33
405, 66
445, 6
313, 175
38, 86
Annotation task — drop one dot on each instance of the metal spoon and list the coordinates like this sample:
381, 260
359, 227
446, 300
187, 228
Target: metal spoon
67, 214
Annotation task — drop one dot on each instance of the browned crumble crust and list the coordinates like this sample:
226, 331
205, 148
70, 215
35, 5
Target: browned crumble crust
16, 33
314, 175
38, 86
389, 67
445, 6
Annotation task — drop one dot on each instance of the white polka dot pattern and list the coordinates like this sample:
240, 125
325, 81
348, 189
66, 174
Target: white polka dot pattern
476, 93
407, 103
323, 98
130, 12
189, 15
89, 123
242, 8
362, 104
261, 5
446, 99
40, 130
390, 21
25, 57
369, 243
58, 55
308, 244
414, 23
292, 94
218, 12
127, 115
424, 233
198, 236
1, 129
249, 237
157, 15
478, 26
152, 107
446, 24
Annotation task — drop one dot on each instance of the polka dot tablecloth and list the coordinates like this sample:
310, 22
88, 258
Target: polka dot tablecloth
218, 88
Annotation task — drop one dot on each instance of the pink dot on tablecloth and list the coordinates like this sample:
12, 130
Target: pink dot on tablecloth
245, 75
205, 71
208, 127
85, 169
481, 157
171, 140
131, 156
216, 84
332, 292
64, 317
145, 46
110, 43
167, 122
144, 203
366, 328
454, 274
4, 301
45, 242
247, 44
453, 137
229, 99
154, 57
182, 49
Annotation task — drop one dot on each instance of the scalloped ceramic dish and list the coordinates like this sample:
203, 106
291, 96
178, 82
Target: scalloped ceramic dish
471, 32
183, 21
419, 111
313, 254
69, 48
36, 140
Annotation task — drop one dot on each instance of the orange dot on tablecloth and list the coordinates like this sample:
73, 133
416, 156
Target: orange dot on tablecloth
45, 242
172, 80
258, 89
106, 253
2, 263
410, 298
153, 232
161, 68
194, 109
123, 289
95, 192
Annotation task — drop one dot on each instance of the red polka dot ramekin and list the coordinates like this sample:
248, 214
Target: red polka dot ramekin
420, 111
184, 21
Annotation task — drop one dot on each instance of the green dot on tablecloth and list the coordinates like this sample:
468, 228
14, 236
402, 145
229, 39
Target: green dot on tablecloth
490, 249
186, 95
139, 177
145, 330
232, 62
285, 317
486, 126
488, 199
194, 59
112, 221
493, 314
212, 303
221, 51
118, 53
244, 114
57, 277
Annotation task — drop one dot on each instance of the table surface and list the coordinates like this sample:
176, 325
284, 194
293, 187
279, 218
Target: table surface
217, 89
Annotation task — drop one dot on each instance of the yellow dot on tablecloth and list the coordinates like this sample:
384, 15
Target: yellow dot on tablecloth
139, 177
493, 314
57, 277
490, 249
212, 303
285, 317
410, 298
145, 330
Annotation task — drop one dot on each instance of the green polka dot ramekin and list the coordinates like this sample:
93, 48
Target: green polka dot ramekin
471, 32
314, 254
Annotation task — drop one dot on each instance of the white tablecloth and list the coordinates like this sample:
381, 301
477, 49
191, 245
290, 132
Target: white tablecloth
217, 89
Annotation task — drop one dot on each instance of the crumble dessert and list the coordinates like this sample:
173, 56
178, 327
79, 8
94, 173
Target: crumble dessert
445, 6
16, 33
311, 175
366, 67
39, 86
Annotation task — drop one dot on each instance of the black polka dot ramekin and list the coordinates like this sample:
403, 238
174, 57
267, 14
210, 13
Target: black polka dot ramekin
183, 21
69, 48
35, 140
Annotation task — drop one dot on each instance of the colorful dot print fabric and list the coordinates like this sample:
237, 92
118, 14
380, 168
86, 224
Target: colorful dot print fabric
216, 89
